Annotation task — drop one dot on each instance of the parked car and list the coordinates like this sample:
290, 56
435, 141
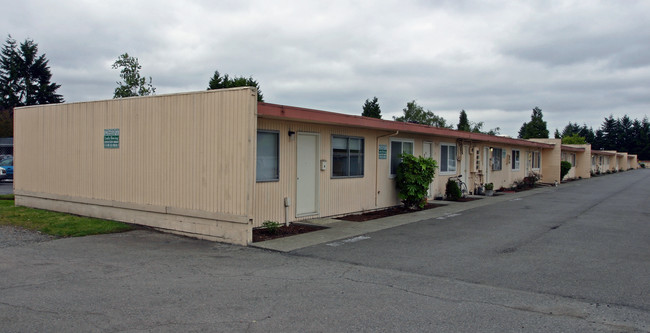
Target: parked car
8, 165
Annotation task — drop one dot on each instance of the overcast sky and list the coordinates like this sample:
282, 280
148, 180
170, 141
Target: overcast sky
578, 61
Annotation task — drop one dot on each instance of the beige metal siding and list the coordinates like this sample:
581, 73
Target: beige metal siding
189, 152
550, 170
336, 196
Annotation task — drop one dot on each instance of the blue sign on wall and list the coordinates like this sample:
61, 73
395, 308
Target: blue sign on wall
383, 152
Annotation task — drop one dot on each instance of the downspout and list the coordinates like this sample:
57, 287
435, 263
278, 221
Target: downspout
377, 165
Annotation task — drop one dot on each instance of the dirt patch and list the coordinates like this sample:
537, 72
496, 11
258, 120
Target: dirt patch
262, 234
397, 210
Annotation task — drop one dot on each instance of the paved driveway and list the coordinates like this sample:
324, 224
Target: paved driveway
586, 240
538, 264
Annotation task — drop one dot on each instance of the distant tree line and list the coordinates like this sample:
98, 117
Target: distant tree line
620, 134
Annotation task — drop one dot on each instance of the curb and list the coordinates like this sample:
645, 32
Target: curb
345, 229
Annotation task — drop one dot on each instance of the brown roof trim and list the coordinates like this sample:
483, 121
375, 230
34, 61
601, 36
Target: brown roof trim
569, 148
276, 111
603, 152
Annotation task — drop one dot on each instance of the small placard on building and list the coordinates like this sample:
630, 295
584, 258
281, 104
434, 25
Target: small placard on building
112, 138
383, 152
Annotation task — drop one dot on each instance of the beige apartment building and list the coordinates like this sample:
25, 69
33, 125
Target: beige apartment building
215, 164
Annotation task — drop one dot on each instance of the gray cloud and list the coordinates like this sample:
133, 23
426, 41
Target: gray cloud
579, 62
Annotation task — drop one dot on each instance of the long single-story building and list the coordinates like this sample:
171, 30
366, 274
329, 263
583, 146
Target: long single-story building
215, 164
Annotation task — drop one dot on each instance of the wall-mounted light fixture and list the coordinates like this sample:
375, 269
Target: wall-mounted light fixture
292, 134
491, 149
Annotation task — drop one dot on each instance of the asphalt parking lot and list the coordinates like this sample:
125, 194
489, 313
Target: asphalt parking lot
6, 187
571, 259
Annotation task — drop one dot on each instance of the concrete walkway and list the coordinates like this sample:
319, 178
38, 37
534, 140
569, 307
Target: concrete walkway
340, 230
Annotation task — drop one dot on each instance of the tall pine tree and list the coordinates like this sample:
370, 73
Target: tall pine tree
25, 76
536, 128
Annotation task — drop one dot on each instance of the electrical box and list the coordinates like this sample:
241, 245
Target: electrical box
323, 165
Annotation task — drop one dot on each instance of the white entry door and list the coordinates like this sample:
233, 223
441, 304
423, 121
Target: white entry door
486, 160
426, 152
465, 160
307, 174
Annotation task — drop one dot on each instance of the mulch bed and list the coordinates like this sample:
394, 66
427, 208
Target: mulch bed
262, 234
397, 210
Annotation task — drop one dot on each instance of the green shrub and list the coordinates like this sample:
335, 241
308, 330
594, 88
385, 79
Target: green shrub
414, 175
531, 179
452, 190
564, 169
642, 165
489, 186
272, 226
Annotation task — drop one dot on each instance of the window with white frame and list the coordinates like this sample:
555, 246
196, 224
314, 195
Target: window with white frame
267, 164
497, 158
347, 156
536, 159
515, 159
447, 158
398, 147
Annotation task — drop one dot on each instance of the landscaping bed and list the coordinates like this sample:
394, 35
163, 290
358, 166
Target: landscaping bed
263, 234
397, 210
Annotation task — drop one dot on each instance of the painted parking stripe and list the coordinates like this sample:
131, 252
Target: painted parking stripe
349, 240
447, 216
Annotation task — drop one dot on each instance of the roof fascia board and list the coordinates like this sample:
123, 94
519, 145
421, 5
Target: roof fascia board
267, 110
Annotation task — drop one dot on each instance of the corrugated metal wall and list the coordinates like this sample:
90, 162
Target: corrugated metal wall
336, 196
376, 189
191, 151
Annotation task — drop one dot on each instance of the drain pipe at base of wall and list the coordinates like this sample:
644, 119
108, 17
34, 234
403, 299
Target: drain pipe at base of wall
377, 165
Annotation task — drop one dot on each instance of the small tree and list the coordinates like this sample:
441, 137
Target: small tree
564, 169
220, 82
414, 175
574, 139
134, 84
414, 113
371, 108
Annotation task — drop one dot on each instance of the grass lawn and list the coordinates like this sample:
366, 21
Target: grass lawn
53, 223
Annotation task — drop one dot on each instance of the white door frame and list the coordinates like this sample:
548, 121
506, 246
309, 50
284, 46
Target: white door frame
307, 165
486, 163
465, 159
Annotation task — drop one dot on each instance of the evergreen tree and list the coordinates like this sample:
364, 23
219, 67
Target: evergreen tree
416, 114
609, 130
371, 108
220, 82
536, 128
463, 122
25, 76
134, 84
